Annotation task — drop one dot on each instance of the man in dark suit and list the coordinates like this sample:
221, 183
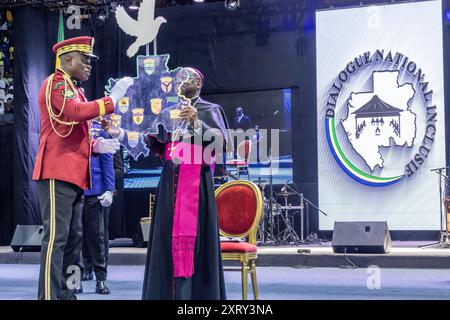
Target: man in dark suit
241, 121
116, 212
97, 202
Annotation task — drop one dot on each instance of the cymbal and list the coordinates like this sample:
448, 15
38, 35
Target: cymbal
285, 193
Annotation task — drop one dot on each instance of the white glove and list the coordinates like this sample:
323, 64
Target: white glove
120, 88
106, 199
102, 145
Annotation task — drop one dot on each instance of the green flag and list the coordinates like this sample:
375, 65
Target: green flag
60, 37
61, 27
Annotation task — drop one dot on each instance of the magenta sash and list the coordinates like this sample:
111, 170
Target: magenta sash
185, 216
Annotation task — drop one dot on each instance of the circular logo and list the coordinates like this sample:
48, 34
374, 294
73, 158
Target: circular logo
377, 119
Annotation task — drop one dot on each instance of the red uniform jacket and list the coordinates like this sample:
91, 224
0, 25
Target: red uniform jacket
67, 159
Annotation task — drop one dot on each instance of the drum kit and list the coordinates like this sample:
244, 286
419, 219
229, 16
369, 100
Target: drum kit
277, 221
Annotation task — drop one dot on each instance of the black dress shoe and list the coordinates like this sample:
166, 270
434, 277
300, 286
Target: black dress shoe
87, 276
101, 288
79, 290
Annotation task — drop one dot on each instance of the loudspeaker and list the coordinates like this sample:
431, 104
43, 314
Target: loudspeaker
27, 238
361, 237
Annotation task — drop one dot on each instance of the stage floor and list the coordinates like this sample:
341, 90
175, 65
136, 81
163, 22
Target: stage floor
19, 282
407, 272
404, 254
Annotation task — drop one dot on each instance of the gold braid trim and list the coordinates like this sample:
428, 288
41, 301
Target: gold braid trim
74, 47
48, 102
101, 107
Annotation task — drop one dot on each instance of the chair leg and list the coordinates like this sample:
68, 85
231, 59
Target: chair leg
244, 280
254, 283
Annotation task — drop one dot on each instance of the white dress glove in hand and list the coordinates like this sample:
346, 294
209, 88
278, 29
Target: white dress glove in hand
103, 145
106, 199
120, 88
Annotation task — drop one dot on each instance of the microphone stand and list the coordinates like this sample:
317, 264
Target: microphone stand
303, 199
443, 242
271, 220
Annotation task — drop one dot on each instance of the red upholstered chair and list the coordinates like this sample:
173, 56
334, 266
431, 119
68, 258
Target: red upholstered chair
239, 207
242, 163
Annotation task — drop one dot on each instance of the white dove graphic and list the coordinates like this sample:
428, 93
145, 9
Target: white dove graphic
145, 28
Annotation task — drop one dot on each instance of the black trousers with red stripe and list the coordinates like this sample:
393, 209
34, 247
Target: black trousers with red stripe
61, 205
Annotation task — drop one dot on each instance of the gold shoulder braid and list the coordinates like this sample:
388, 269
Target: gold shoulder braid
48, 102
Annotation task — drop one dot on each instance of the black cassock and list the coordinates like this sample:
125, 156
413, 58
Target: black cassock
207, 282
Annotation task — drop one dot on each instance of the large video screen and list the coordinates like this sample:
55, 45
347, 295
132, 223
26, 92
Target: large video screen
264, 111
267, 114
380, 107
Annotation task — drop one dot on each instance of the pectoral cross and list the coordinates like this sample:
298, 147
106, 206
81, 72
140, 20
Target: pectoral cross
172, 148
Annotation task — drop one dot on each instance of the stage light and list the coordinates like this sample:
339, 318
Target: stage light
134, 5
101, 16
199, 1
232, 4
447, 15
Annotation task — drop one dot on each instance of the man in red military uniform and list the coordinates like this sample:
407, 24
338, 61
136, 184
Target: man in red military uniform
62, 168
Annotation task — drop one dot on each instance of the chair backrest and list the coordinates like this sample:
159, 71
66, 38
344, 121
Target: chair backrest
243, 149
239, 207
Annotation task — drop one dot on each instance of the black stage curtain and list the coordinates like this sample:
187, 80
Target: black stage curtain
32, 64
6, 185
